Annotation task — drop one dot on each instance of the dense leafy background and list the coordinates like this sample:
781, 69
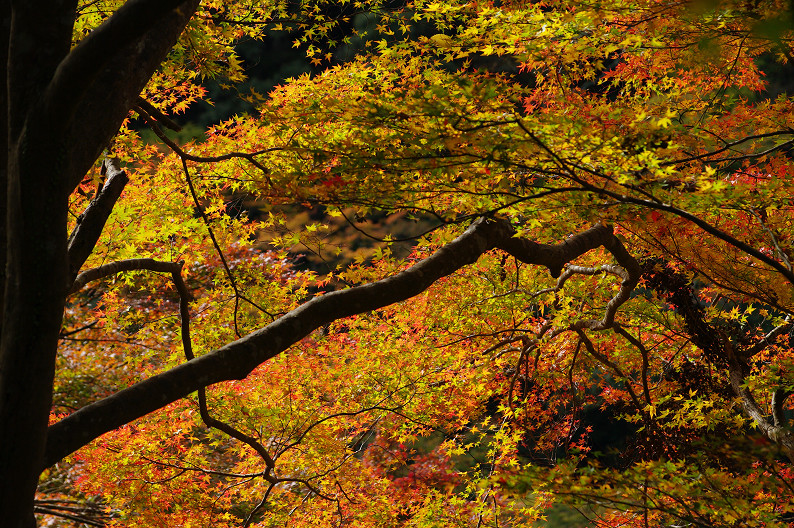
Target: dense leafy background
368, 135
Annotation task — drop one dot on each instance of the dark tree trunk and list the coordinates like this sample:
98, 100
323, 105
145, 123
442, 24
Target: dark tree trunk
59, 109
35, 251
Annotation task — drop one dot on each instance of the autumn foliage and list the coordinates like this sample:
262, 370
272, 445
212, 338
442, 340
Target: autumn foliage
588, 302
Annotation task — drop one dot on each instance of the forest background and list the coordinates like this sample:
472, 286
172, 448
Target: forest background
472, 262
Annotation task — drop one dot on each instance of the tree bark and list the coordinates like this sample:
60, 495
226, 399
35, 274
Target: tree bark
60, 106
91, 222
5, 32
35, 254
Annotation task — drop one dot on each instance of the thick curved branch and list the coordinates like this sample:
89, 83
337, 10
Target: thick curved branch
568, 168
131, 45
127, 265
555, 257
89, 58
238, 358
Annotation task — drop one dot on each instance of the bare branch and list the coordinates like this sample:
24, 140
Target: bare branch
569, 167
555, 257
92, 221
249, 156
124, 265
175, 268
151, 112
60, 512
729, 146
644, 353
232, 281
67, 333
705, 226
768, 338
604, 360
773, 237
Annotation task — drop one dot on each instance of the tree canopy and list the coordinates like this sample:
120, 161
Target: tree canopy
570, 283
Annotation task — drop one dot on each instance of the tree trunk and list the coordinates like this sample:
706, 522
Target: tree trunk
35, 250
60, 107
34, 299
